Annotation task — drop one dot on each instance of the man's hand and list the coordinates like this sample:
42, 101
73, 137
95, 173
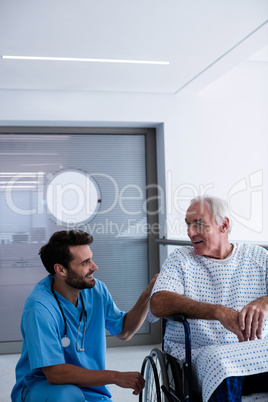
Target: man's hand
252, 316
132, 380
229, 318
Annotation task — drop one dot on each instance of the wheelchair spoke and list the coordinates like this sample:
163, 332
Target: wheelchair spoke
154, 372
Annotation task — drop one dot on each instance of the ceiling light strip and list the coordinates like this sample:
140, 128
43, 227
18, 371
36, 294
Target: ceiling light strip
85, 60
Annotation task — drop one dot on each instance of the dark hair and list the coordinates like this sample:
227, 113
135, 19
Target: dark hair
57, 251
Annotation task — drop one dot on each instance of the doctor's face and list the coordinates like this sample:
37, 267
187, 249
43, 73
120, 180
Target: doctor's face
80, 274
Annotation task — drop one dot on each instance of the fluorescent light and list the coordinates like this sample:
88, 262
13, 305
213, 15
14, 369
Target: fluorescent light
21, 174
32, 137
20, 182
28, 154
14, 187
86, 59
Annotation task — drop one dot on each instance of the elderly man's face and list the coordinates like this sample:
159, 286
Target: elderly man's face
203, 231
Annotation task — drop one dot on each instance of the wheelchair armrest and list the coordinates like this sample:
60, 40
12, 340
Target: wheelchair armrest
182, 319
176, 317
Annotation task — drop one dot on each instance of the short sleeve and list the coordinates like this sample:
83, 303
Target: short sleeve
170, 279
171, 276
41, 337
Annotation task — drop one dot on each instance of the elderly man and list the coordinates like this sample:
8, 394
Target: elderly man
222, 288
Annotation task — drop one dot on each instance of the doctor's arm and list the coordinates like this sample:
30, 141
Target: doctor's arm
136, 316
71, 374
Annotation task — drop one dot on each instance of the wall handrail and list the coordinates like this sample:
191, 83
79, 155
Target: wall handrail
171, 242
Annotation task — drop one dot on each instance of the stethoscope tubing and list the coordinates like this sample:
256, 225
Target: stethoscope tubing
65, 321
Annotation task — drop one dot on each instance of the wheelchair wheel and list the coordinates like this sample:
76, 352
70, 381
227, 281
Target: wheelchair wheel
155, 374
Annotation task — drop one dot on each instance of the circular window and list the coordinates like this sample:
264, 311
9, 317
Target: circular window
72, 197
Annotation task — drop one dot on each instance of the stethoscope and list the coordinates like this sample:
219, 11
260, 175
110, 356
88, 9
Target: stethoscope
65, 340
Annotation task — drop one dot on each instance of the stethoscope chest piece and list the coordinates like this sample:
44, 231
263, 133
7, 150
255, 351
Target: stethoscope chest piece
65, 341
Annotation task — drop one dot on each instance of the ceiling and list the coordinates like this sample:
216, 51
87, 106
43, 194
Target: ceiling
200, 38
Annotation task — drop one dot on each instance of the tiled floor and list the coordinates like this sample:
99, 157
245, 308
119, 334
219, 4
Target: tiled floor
127, 358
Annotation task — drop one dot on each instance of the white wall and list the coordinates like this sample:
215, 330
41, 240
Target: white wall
20, 107
214, 141
221, 148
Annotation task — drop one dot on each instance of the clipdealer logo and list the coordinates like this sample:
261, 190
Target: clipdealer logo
251, 190
72, 198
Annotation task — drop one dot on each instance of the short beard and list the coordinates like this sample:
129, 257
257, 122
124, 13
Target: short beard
75, 281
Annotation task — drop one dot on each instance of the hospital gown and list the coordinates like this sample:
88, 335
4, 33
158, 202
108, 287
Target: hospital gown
233, 282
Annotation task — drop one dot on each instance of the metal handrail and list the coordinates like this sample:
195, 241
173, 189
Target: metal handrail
170, 242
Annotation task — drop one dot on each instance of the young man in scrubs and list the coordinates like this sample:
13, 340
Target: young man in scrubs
63, 328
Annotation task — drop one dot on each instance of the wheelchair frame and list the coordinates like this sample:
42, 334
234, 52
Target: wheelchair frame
169, 388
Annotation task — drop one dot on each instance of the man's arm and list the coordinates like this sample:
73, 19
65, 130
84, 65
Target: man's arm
136, 316
166, 303
71, 374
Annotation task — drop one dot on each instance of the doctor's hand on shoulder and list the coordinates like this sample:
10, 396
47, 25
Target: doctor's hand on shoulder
151, 285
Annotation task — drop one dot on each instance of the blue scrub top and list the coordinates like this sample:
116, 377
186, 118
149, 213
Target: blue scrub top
42, 328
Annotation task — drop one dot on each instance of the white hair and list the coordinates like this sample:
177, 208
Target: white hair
218, 207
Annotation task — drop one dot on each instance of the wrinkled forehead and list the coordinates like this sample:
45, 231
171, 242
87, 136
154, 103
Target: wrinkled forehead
199, 210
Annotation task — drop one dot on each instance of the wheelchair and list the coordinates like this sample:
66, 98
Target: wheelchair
168, 379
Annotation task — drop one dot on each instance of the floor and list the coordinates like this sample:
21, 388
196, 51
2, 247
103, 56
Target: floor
127, 358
